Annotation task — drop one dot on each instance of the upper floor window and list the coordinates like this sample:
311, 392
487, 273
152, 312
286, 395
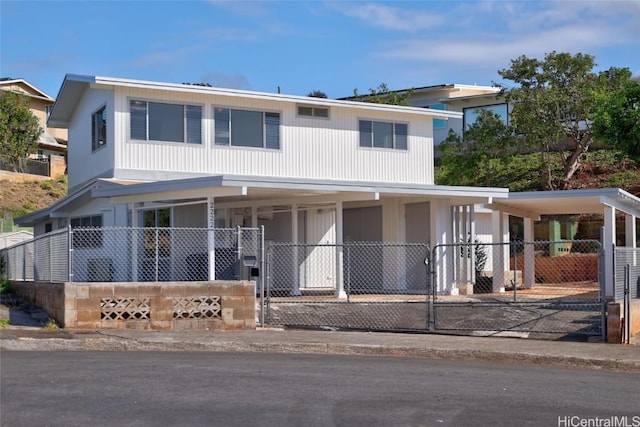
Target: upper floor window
157, 121
47, 111
438, 123
383, 135
99, 129
307, 111
243, 128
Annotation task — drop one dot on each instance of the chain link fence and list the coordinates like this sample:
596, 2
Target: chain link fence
627, 283
542, 286
355, 285
137, 255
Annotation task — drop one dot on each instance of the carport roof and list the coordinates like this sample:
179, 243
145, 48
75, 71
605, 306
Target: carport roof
532, 204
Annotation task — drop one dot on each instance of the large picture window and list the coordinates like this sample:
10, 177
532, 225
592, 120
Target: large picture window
99, 129
383, 135
157, 121
243, 128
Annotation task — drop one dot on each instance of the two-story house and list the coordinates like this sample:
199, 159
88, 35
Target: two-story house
52, 145
308, 169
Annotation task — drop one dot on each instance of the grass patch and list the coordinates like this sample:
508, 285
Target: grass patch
50, 324
4, 323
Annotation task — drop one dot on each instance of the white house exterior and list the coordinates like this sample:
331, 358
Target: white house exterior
308, 169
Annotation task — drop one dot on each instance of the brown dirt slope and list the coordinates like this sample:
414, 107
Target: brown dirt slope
20, 198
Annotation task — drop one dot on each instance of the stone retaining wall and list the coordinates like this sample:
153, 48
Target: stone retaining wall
226, 305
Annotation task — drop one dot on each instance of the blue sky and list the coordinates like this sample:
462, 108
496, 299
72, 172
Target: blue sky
301, 46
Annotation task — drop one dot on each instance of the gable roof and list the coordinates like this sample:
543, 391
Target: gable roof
30, 90
74, 85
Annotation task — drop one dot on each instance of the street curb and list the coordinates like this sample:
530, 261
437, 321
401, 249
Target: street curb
127, 344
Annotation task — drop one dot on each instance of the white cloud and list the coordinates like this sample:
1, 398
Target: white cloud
391, 18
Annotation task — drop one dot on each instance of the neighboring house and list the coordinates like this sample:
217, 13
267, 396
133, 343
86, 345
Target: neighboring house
52, 142
459, 98
309, 170
13, 237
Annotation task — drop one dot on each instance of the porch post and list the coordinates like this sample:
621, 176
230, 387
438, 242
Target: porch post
441, 226
340, 293
134, 242
254, 217
529, 262
497, 225
211, 237
630, 231
608, 246
295, 268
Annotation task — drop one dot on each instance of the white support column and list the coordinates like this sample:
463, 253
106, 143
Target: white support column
441, 227
529, 260
630, 231
340, 293
211, 237
295, 268
254, 217
497, 225
134, 242
608, 245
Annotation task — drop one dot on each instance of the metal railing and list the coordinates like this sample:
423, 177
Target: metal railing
112, 254
542, 286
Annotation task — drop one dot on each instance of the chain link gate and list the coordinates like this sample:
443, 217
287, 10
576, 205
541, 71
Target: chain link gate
525, 287
355, 285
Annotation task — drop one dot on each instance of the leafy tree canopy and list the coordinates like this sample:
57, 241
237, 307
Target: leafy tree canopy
383, 95
617, 118
317, 94
484, 146
553, 106
19, 128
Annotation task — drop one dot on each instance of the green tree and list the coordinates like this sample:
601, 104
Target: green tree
317, 94
553, 106
19, 128
617, 118
484, 146
383, 95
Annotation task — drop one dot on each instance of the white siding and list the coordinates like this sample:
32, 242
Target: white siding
309, 148
84, 164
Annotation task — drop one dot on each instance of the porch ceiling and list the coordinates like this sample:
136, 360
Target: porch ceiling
572, 202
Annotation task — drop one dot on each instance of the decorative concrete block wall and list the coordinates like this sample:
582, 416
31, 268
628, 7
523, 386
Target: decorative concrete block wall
223, 305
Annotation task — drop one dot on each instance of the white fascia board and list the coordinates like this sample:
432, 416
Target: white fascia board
142, 84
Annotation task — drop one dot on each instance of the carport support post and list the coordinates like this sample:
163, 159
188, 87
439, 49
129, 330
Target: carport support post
498, 224
211, 237
295, 288
340, 293
608, 245
529, 262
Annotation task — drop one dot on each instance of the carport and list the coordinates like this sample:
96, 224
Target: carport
531, 205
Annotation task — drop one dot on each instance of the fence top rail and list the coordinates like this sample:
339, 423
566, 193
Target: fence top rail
520, 243
350, 243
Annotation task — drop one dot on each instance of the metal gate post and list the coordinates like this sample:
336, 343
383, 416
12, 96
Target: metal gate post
262, 275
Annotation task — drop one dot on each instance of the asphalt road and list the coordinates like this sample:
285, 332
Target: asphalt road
225, 389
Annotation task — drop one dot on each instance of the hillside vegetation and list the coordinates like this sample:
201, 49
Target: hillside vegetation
20, 198
599, 169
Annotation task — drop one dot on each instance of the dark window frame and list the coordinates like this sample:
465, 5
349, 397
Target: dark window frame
224, 124
367, 135
141, 122
99, 128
